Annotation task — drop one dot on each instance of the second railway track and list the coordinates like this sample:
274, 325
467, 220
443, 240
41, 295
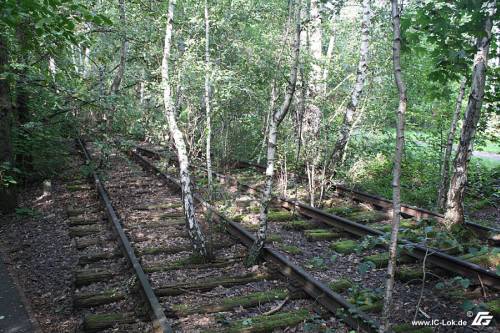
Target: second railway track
320, 237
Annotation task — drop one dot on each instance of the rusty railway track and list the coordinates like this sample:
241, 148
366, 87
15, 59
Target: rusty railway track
158, 318
385, 204
318, 291
433, 256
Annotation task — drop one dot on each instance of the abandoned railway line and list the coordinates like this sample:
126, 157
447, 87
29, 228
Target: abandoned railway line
305, 234
178, 292
349, 216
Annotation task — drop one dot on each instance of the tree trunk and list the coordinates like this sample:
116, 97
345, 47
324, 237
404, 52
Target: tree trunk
328, 57
8, 197
349, 115
123, 51
454, 206
315, 42
272, 102
396, 181
312, 113
445, 172
86, 63
274, 122
207, 98
194, 230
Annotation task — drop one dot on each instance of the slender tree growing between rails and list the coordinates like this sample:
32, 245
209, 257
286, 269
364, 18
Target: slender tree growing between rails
454, 206
275, 120
396, 176
445, 173
350, 112
194, 230
207, 99
123, 51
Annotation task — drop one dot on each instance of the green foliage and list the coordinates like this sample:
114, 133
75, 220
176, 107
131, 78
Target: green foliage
365, 267
316, 263
8, 175
25, 212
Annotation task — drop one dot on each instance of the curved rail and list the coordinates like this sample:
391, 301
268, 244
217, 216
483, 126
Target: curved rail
160, 323
330, 300
434, 257
406, 210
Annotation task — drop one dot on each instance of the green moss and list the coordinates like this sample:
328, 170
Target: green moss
251, 227
254, 209
77, 187
321, 235
343, 210
385, 227
340, 285
298, 225
494, 308
280, 216
408, 223
98, 322
90, 300
227, 304
404, 328
366, 300
368, 216
266, 323
344, 246
274, 238
489, 259
380, 260
291, 249
374, 307
409, 274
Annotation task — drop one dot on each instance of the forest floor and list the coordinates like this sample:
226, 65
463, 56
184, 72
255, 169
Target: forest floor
37, 244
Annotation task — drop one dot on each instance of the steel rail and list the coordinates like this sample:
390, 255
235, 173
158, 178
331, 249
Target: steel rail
434, 256
322, 294
406, 210
377, 201
160, 323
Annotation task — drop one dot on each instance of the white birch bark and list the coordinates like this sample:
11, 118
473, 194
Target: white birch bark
194, 230
454, 205
123, 51
52, 68
396, 177
207, 98
274, 122
445, 172
349, 115
86, 62
328, 57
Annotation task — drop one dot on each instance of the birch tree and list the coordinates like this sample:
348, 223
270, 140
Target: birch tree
454, 205
311, 116
194, 229
396, 181
350, 112
207, 97
274, 122
445, 172
123, 51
